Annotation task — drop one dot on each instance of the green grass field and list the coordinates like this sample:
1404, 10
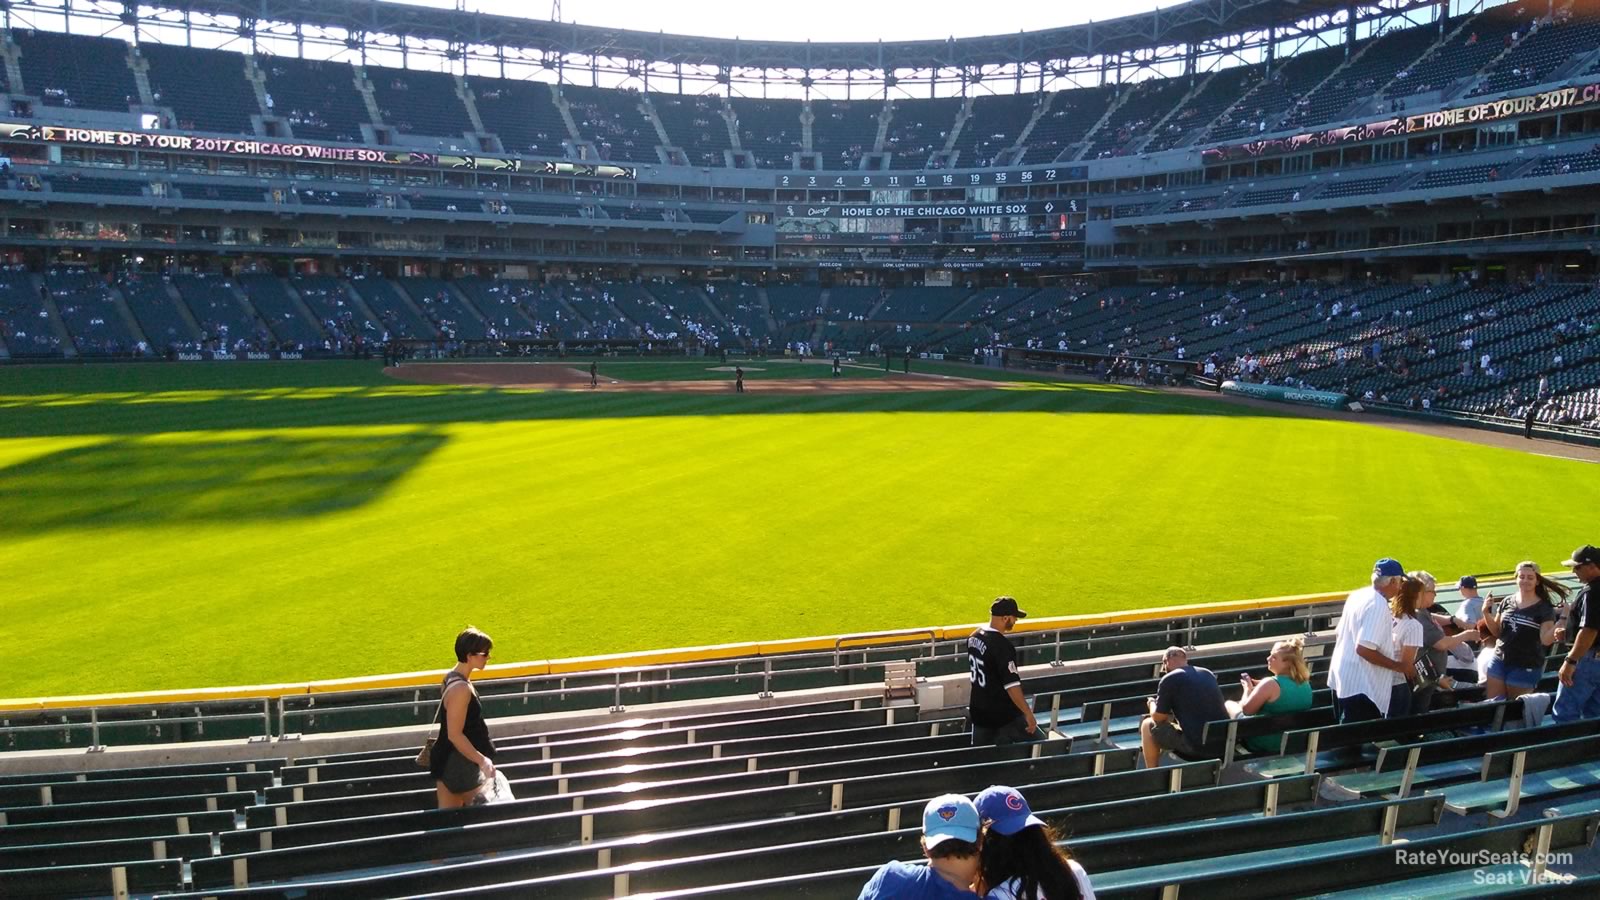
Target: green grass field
169, 526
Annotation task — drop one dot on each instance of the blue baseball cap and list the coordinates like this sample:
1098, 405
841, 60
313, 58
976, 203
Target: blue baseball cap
1467, 581
949, 816
1388, 568
1005, 810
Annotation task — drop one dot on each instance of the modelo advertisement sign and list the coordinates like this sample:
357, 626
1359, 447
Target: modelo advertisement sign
225, 356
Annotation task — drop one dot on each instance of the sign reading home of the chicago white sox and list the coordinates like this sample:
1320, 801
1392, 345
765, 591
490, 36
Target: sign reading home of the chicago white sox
926, 210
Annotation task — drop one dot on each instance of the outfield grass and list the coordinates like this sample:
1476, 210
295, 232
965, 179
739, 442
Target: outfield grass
172, 526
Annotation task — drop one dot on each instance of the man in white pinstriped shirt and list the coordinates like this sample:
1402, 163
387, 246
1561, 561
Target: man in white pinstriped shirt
1359, 670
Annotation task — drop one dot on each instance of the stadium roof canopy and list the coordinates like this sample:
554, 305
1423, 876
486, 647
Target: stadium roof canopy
1197, 22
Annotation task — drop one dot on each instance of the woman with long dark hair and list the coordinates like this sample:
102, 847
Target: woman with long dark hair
1021, 858
1525, 626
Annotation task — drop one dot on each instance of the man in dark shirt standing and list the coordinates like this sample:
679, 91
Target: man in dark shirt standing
1000, 714
1579, 694
1186, 699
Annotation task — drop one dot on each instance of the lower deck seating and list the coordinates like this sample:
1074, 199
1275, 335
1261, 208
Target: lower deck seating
274, 303
224, 322
91, 314
719, 803
164, 326
343, 320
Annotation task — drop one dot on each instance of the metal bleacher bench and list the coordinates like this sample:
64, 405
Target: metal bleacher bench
1401, 768
1320, 740
1538, 771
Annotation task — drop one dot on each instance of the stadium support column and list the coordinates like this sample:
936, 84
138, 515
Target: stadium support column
1350, 29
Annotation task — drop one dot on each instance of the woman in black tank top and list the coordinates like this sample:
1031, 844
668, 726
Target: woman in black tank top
463, 734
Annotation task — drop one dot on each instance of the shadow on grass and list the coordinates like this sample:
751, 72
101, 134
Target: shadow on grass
217, 410
136, 482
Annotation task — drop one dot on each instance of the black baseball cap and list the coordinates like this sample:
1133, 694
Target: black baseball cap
1588, 553
1006, 606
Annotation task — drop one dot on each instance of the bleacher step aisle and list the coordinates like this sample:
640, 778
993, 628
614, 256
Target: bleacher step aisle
57, 325
120, 301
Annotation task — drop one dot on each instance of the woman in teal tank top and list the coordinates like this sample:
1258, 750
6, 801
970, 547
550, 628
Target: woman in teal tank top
1288, 690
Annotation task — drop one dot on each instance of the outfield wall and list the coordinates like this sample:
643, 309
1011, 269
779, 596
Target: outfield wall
430, 678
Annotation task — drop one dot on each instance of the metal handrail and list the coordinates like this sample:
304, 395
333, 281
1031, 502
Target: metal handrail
933, 638
930, 647
94, 724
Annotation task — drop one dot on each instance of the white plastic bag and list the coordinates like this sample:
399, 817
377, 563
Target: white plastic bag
496, 791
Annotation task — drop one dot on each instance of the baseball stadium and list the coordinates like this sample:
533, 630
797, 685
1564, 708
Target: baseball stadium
710, 453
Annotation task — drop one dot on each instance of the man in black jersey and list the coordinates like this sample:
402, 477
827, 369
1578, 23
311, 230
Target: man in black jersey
1000, 714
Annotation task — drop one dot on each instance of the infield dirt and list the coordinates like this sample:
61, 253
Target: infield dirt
543, 376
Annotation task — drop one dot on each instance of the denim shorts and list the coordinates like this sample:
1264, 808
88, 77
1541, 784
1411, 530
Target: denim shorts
1522, 678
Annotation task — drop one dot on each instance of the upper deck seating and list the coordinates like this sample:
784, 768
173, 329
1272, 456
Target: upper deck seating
695, 123
1362, 76
317, 98
1467, 51
1071, 115
522, 113
1539, 54
844, 130
769, 130
222, 101
1148, 103
76, 70
420, 102
612, 120
1217, 94
996, 122
919, 129
1288, 84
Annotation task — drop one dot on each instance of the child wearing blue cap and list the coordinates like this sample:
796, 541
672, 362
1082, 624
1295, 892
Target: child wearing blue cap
950, 829
1021, 857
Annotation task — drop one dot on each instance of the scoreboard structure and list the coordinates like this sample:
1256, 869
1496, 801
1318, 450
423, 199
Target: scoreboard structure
835, 211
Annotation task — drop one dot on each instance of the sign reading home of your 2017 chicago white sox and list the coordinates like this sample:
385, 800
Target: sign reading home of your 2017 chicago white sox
947, 210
